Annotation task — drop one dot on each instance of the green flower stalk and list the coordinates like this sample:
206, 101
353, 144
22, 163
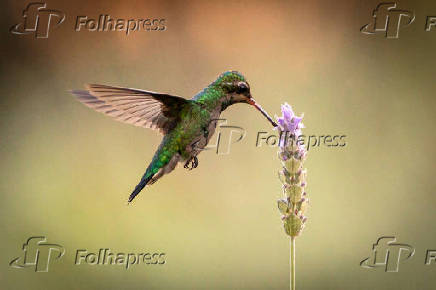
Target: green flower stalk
292, 155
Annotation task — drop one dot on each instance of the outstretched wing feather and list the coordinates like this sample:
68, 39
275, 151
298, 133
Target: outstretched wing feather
137, 107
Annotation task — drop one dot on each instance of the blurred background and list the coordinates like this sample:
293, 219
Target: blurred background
66, 171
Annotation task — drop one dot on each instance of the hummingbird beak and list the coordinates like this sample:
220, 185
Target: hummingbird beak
252, 102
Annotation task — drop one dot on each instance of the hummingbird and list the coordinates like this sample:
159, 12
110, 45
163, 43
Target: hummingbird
186, 124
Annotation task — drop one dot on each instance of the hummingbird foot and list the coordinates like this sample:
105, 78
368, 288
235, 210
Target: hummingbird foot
193, 161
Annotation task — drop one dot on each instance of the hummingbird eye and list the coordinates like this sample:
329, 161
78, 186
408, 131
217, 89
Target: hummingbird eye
242, 88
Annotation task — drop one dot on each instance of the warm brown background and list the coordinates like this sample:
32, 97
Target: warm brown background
66, 171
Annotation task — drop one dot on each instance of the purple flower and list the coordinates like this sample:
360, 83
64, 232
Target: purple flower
289, 125
288, 121
292, 154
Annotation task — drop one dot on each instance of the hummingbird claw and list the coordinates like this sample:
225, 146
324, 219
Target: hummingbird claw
193, 161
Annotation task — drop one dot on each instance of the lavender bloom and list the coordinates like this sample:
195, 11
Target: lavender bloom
288, 122
292, 175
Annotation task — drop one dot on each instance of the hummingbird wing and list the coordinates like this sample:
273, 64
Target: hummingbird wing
137, 107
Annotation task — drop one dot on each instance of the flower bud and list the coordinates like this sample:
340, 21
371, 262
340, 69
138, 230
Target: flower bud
283, 206
293, 225
294, 193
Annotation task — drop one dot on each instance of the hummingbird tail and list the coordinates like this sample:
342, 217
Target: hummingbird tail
144, 181
155, 170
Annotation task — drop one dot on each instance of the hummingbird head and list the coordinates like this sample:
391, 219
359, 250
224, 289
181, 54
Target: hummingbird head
238, 91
